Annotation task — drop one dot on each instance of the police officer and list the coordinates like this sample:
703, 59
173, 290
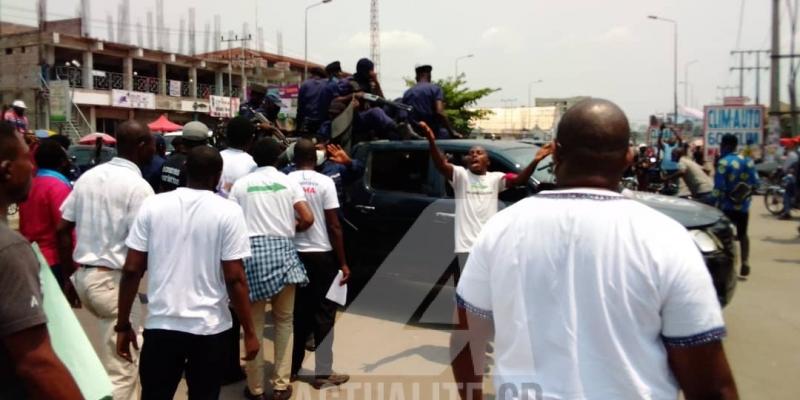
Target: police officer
173, 173
334, 71
427, 99
316, 95
368, 121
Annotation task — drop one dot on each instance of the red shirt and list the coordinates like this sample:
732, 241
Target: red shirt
40, 214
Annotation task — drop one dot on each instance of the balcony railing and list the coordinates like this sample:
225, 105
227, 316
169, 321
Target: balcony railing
73, 74
107, 80
204, 90
103, 80
146, 84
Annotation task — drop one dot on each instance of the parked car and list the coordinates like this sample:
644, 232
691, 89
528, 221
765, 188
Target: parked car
83, 157
399, 220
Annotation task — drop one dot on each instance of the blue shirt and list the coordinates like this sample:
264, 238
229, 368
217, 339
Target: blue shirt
314, 99
152, 171
667, 164
731, 170
423, 97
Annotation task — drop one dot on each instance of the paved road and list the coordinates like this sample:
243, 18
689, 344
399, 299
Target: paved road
389, 359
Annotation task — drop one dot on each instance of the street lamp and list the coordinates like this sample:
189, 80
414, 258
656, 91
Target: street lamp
686, 81
530, 104
675, 60
305, 52
462, 58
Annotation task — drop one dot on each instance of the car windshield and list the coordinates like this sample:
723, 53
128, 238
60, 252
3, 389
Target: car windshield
521, 156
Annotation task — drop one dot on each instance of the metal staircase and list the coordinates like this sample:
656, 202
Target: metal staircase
77, 126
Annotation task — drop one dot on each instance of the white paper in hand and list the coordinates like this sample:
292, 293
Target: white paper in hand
337, 293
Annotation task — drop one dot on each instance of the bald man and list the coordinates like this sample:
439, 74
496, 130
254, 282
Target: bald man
101, 208
585, 299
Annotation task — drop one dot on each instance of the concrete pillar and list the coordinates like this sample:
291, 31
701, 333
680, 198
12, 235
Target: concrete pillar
92, 117
88, 67
193, 82
50, 55
162, 79
243, 88
219, 83
127, 73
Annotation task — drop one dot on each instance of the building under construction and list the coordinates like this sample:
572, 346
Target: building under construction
35, 58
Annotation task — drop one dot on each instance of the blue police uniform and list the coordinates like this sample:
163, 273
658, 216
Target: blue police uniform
423, 97
371, 120
314, 99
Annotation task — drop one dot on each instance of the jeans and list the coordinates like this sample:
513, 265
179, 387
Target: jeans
790, 188
313, 313
98, 290
166, 355
283, 314
740, 219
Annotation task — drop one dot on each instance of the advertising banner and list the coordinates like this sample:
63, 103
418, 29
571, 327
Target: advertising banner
59, 101
224, 107
131, 99
744, 122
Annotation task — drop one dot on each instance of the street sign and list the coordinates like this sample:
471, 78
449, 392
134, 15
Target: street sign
744, 122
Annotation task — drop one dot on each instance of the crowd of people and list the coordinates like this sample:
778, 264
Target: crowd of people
220, 234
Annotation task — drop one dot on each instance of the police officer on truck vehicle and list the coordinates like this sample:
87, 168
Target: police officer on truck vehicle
427, 98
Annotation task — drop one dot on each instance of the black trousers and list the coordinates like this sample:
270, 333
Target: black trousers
313, 313
167, 355
740, 219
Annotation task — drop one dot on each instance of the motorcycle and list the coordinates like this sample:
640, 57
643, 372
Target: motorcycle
773, 198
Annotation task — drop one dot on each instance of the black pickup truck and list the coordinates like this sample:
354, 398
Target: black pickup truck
399, 219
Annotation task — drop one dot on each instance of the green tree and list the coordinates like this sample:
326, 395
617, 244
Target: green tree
458, 98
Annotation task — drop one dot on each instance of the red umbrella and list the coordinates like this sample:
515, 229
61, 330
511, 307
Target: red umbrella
162, 124
92, 138
785, 142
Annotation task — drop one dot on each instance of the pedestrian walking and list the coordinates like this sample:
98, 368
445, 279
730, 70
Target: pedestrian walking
29, 368
236, 162
321, 250
734, 182
275, 208
601, 309
188, 290
173, 172
101, 209
40, 214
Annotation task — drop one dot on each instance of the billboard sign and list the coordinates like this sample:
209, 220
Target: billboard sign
225, 107
744, 122
59, 101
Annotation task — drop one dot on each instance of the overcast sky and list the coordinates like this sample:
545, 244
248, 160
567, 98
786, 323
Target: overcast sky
577, 47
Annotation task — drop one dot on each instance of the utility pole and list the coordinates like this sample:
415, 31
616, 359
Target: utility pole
230, 40
757, 68
775, 68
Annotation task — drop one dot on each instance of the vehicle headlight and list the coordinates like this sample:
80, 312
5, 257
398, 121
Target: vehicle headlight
705, 241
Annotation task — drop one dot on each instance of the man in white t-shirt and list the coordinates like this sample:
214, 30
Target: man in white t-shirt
476, 189
100, 210
600, 308
275, 208
236, 163
188, 289
321, 249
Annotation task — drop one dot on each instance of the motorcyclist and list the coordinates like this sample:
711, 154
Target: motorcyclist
789, 181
